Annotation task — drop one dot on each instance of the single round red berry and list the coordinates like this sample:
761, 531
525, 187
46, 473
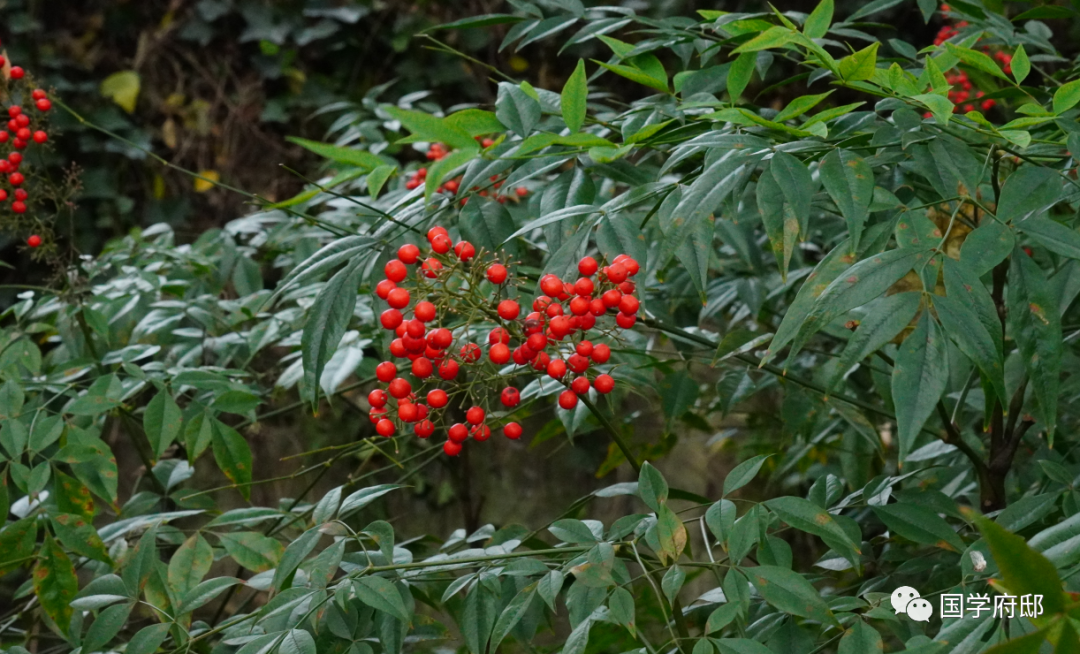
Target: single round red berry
398, 298
18, 144
580, 385
415, 328
611, 298
440, 338
603, 383
383, 288
16, 179
408, 253
391, 318
15, 158
465, 250
481, 433
541, 361
448, 369
435, 231
541, 303
556, 368
17, 72
385, 371
537, 342
560, 326
398, 349
40, 136
626, 321
568, 400
475, 415
39, 94
34, 241
451, 448
431, 268
551, 285
578, 363
395, 270
24, 134
629, 304
377, 414
458, 432
512, 430
579, 306
499, 353
14, 110
399, 387
587, 266
422, 367
601, 353
437, 398
470, 352
498, 335
424, 311
385, 427
441, 243
597, 307
553, 309
510, 397
616, 272
508, 309
424, 428
43, 104
497, 273
584, 286
21, 194
377, 398
584, 348
407, 412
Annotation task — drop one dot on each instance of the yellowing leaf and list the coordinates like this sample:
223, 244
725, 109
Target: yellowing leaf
206, 180
122, 88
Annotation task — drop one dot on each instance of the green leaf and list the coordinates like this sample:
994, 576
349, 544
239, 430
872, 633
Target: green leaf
889, 317
1053, 236
1020, 644
570, 530
743, 473
204, 593
294, 555
198, 433
361, 498
636, 75
673, 582
55, 583
1029, 190
1024, 570
678, 393
671, 533
516, 109
1066, 96
986, 247
512, 615
818, 22
860, 65
299, 641
485, 20
148, 639
962, 325
740, 646
253, 551
804, 515
861, 638
778, 216
1035, 324
1020, 64
652, 487
79, 536
443, 169
189, 564
724, 615
574, 97
351, 156
789, 592
698, 202
162, 421
108, 623
433, 128
381, 595
17, 542
774, 37
976, 60
233, 456
376, 179
103, 395
800, 106
918, 380
739, 75
919, 524
939, 105
122, 88
621, 606
475, 122
328, 318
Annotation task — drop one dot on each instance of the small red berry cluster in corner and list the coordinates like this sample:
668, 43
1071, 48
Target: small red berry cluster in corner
437, 152
456, 294
27, 109
963, 95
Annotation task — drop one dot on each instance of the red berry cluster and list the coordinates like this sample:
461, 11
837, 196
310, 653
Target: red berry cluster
436, 152
26, 125
452, 291
962, 94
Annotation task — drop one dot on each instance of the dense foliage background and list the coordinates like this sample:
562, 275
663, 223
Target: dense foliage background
853, 368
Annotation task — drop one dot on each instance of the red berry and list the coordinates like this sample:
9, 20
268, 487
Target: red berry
629, 264
470, 352
597, 307
448, 369
441, 243
40, 136
451, 448
551, 285
407, 412
376, 414
541, 361
437, 398
383, 288
541, 303
611, 298
458, 432
481, 433
568, 400
23, 134
498, 335
521, 191
385, 428
440, 338
556, 368
21, 194
16, 179
626, 321
578, 363
375, 398
580, 385
584, 348
434, 231
422, 367
34, 241
15, 158
497, 273
38, 94
508, 309
512, 430
584, 286
395, 270
431, 268
391, 318
424, 311
14, 110
385, 371
520, 357
398, 298
465, 250
560, 326
537, 342
601, 353
408, 253
510, 397
17, 72
424, 428
616, 272
579, 306
399, 387
553, 309
627, 288
499, 353
603, 384
629, 304
18, 144
415, 328
4, 136
475, 415
587, 266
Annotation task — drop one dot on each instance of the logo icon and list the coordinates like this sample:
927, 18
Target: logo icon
901, 596
920, 610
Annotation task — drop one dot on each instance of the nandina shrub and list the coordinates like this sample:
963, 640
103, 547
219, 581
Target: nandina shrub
877, 277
